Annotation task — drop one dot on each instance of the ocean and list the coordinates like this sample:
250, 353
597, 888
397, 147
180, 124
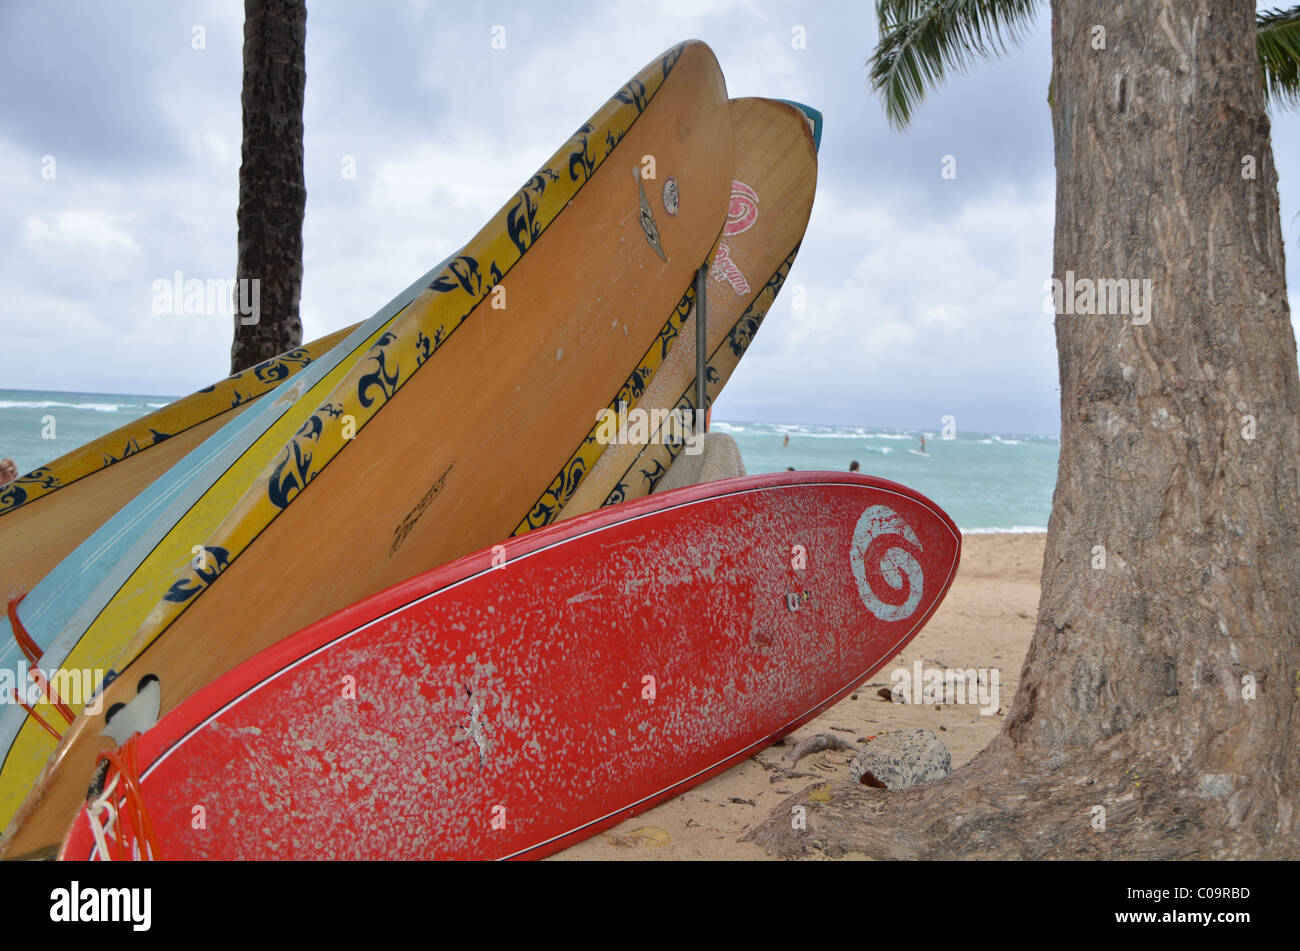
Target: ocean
987, 482
37, 426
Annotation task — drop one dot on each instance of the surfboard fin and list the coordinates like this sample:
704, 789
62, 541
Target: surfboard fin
137, 716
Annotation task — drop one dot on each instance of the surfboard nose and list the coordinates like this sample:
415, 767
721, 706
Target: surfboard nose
814, 118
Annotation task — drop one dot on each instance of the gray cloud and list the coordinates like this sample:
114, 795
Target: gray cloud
924, 295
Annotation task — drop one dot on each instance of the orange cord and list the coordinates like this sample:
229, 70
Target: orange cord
33, 654
134, 823
51, 697
25, 642
37, 717
132, 809
133, 779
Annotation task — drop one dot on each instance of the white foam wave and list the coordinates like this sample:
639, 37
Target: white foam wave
56, 404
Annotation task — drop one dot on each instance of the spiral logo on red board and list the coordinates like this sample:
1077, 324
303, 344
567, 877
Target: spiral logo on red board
883, 557
743, 210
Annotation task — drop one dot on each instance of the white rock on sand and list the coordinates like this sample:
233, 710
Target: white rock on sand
901, 758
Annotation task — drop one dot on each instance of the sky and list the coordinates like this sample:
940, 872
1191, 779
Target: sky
119, 164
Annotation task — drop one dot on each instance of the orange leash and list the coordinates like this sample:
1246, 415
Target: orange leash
120, 819
33, 654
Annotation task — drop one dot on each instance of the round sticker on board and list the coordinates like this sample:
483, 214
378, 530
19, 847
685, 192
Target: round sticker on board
671, 196
743, 210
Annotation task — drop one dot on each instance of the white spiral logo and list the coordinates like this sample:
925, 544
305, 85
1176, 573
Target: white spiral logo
878, 522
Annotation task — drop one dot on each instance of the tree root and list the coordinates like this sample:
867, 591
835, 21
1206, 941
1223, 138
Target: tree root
1106, 805
782, 773
815, 744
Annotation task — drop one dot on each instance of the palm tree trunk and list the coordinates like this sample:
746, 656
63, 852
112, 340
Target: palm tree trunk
272, 187
1162, 687
1202, 587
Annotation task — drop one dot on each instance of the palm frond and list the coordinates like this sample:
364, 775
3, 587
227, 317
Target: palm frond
1277, 43
921, 41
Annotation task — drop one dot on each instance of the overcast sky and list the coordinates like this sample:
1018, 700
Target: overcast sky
924, 295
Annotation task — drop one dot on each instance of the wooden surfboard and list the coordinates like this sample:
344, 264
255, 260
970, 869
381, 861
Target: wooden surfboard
54, 615
402, 469
525, 697
47, 512
772, 191
95, 497
38, 630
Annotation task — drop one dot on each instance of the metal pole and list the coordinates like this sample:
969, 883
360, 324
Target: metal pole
701, 345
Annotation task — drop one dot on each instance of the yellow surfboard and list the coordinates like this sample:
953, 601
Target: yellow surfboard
397, 468
52, 509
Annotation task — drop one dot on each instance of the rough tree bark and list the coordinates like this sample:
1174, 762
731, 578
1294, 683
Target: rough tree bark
272, 186
1162, 687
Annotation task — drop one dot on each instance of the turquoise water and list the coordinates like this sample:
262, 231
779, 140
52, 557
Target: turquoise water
37, 426
985, 481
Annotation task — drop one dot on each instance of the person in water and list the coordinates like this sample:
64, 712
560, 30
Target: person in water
923, 444
8, 471
853, 466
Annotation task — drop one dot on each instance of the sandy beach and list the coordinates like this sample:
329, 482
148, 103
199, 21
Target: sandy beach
986, 621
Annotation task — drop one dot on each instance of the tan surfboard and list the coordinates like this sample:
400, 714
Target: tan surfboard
47, 512
406, 465
773, 185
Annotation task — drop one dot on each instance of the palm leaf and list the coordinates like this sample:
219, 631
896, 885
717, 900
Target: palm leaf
1277, 43
921, 41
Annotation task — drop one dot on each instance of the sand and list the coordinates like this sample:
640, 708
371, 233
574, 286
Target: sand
986, 621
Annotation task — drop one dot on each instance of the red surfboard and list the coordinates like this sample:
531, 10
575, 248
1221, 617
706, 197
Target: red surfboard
522, 698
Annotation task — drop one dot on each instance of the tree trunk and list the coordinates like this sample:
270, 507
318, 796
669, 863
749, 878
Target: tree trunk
272, 187
1163, 686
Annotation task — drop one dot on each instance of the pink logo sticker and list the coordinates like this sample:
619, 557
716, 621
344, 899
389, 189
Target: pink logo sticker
743, 210
725, 271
